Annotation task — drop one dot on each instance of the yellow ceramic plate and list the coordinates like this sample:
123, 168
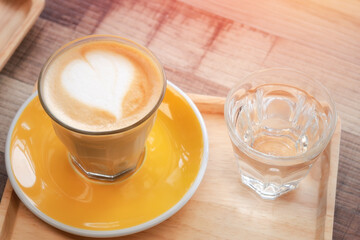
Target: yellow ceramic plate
52, 188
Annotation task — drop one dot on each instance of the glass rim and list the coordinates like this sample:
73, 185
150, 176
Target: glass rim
101, 37
318, 147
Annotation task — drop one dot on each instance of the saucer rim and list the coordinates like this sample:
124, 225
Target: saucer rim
118, 232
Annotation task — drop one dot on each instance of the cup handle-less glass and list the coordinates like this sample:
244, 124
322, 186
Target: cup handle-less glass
279, 122
105, 155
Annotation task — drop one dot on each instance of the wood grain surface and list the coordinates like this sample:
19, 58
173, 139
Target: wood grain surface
206, 47
222, 207
17, 17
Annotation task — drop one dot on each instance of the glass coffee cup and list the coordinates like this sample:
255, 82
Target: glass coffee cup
102, 93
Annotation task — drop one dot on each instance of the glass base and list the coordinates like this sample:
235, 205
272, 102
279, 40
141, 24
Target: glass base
103, 177
268, 191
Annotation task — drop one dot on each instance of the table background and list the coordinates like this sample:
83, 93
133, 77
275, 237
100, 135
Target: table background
206, 47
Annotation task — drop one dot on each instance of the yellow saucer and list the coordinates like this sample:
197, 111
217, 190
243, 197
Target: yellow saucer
53, 189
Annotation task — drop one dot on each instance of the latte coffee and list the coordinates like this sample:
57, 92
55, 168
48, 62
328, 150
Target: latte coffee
101, 86
102, 93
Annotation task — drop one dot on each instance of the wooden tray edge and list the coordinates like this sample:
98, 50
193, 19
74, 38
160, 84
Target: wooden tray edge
36, 8
8, 209
331, 189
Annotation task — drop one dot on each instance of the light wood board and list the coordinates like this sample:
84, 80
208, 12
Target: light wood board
16, 19
222, 207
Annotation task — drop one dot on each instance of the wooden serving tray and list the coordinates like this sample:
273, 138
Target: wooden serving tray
222, 207
16, 19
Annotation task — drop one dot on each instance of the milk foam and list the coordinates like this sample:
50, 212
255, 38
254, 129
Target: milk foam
101, 86
103, 77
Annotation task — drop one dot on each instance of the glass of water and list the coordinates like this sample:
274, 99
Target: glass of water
279, 122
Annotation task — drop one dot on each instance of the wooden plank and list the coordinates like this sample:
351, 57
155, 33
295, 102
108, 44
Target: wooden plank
16, 19
347, 210
3, 174
307, 22
236, 52
78, 15
222, 207
138, 20
8, 212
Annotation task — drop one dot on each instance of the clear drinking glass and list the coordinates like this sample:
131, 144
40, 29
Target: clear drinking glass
279, 122
104, 155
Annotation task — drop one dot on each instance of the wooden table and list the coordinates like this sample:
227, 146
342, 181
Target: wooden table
206, 47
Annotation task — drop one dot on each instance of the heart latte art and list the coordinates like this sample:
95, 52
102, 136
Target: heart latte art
101, 86
104, 78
